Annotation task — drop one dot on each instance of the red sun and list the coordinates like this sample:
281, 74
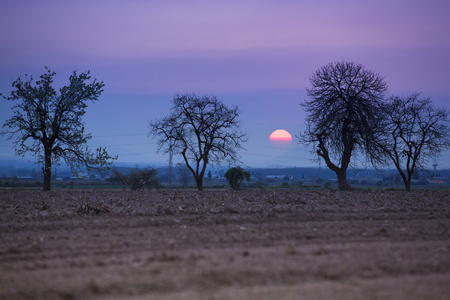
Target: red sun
280, 137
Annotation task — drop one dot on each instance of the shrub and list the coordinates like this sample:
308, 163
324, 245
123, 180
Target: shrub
137, 178
235, 176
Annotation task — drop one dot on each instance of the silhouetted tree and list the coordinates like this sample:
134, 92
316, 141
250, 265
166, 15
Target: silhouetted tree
49, 124
118, 176
414, 133
235, 176
343, 114
202, 129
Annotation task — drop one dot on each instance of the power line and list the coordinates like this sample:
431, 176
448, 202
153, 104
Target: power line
120, 145
116, 135
135, 153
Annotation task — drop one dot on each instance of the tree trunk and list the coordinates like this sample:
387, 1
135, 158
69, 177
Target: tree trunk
47, 170
341, 172
342, 180
406, 180
199, 182
408, 186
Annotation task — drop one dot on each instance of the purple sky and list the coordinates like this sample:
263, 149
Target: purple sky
255, 54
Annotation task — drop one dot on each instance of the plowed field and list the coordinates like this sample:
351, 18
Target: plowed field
253, 244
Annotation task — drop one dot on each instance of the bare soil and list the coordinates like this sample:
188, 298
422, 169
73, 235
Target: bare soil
255, 244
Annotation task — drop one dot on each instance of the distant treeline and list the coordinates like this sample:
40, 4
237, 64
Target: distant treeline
31, 171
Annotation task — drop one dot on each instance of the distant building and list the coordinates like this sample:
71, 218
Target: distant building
436, 180
276, 177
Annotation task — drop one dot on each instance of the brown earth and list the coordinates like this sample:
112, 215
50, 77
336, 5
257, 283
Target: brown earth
256, 244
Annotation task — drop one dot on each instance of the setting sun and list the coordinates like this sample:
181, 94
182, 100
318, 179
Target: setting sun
280, 137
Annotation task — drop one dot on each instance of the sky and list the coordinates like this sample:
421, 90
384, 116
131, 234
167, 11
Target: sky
258, 55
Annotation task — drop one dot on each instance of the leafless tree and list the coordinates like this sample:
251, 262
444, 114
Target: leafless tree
414, 133
202, 130
49, 124
117, 175
343, 114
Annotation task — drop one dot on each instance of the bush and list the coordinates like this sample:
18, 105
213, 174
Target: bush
137, 178
235, 176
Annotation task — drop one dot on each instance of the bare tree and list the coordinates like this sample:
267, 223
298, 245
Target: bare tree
343, 114
202, 130
414, 133
118, 176
49, 124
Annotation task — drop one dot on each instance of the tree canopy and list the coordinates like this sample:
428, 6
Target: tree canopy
343, 114
49, 123
202, 129
235, 176
414, 131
